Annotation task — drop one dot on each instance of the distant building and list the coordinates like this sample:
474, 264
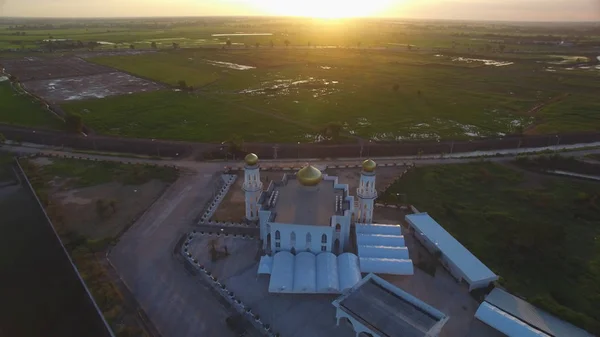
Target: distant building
515, 317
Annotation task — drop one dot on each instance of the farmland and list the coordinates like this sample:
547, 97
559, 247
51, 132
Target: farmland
539, 233
288, 80
19, 109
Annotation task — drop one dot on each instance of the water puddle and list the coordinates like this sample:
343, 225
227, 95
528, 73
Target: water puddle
105, 43
3, 78
55, 40
484, 61
284, 86
325, 67
244, 34
229, 65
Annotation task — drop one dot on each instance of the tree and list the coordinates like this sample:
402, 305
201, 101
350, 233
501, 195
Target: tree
409, 47
287, 43
228, 43
182, 84
502, 47
271, 43
175, 45
331, 131
358, 44
257, 44
153, 45
131, 46
74, 122
2, 139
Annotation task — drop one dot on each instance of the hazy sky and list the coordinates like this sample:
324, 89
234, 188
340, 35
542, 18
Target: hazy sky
521, 10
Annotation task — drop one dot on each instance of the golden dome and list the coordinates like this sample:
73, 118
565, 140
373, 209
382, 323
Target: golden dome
369, 165
309, 176
251, 159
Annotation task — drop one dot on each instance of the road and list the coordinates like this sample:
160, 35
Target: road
177, 302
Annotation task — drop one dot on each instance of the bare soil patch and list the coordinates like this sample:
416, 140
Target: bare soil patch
92, 86
83, 213
34, 68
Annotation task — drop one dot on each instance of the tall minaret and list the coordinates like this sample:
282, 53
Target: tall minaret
252, 186
366, 192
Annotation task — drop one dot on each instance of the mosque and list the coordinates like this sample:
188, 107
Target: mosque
305, 223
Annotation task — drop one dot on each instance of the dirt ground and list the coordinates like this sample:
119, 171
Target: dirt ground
80, 210
92, 86
34, 68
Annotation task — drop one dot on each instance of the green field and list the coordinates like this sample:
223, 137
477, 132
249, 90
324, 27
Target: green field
183, 116
374, 79
371, 94
20, 109
539, 233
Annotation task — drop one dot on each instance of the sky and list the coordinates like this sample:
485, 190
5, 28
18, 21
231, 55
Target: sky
501, 10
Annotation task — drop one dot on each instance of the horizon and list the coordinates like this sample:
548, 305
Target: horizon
453, 10
258, 16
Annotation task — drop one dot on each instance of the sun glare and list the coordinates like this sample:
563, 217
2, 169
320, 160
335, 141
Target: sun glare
325, 9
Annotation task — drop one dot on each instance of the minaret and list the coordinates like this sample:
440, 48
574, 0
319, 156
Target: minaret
366, 192
252, 186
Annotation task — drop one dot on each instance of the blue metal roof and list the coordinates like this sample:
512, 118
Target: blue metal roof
505, 323
473, 269
533, 316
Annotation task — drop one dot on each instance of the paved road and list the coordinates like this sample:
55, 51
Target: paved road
216, 165
178, 303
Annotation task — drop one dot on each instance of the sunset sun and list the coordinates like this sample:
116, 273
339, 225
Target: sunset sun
326, 9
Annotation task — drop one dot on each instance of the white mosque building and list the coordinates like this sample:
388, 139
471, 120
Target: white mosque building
305, 226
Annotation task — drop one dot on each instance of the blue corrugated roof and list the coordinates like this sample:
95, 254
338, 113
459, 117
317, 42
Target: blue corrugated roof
473, 269
533, 316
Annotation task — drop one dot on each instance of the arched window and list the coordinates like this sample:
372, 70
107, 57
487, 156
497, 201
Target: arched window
338, 228
293, 239
277, 235
308, 241
324, 238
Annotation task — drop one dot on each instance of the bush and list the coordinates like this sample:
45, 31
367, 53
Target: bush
74, 122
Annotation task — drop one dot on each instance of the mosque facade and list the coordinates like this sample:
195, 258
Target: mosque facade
307, 211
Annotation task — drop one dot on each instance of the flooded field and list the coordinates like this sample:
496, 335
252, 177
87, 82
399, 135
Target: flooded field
34, 68
283, 87
87, 87
485, 62
229, 65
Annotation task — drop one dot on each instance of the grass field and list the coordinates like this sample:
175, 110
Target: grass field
374, 94
20, 109
183, 116
540, 234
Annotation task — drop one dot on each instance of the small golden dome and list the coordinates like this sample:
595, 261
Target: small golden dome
369, 165
309, 176
251, 159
